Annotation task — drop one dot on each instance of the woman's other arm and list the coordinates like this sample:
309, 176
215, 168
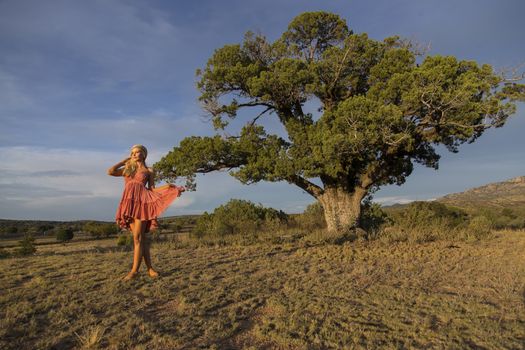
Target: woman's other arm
116, 170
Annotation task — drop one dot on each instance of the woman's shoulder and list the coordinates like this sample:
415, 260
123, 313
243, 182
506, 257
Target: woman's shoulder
151, 170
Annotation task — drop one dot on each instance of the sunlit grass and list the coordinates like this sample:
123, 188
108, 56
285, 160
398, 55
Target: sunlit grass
291, 292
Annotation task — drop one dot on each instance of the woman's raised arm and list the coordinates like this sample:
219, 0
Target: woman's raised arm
116, 170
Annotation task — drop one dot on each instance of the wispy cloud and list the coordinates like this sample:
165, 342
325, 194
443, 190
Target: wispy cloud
29, 192
158, 129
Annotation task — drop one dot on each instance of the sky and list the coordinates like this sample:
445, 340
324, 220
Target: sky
82, 81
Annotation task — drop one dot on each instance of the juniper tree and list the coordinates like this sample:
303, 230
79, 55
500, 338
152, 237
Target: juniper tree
383, 106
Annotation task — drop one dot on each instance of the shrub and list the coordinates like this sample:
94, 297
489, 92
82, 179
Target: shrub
238, 216
517, 223
109, 229
506, 218
64, 234
424, 222
424, 214
479, 227
26, 246
99, 230
312, 218
373, 218
125, 239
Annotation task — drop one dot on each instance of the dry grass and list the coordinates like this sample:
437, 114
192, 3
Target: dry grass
360, 295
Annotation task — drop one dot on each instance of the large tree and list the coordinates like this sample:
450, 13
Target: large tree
383, 106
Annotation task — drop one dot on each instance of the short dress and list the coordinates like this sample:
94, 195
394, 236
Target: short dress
138, 202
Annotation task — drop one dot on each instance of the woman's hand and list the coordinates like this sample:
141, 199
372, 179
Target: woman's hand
180, 188
116, 170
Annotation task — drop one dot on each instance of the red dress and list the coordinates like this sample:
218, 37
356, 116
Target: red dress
140, 203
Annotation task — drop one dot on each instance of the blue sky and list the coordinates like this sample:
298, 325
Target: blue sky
82, 81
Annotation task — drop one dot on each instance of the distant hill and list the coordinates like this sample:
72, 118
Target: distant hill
494, 196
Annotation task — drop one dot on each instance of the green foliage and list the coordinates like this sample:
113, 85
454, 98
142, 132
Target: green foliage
479, 227
381, 111
125, 239
505, 218
424, 222
26, 246
312, 218
373, 219
64, 234
238, 217
45, 228
425, 214
99, 230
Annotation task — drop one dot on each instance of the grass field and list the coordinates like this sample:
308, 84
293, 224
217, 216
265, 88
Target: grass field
360, 295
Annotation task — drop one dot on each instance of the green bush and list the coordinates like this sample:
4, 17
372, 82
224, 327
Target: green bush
125, 239
424, 222
517, 223
64, 234
312, 218
373, 218
479, 227
238, 216
26, 246
425, 214
99, 230
506, 218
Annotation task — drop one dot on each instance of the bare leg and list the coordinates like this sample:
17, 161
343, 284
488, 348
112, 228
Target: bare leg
147, 256
138, 231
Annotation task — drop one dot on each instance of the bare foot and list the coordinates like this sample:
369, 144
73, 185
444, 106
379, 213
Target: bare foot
152, 273
130, 276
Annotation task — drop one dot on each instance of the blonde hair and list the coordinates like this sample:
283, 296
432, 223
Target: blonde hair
131, 166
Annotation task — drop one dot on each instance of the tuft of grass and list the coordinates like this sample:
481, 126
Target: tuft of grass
91, 338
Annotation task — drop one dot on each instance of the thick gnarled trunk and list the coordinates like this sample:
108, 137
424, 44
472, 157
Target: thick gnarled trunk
342, 209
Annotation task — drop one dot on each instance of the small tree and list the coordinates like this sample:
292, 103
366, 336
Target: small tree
64, 234
383, 107
26, 246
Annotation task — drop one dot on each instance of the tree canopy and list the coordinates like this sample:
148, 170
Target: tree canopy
383, 107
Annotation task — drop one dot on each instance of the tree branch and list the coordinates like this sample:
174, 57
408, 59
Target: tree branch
260, 114
255, 103
306, 185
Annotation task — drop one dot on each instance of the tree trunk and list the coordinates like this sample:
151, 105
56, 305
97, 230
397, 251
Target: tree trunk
342, 209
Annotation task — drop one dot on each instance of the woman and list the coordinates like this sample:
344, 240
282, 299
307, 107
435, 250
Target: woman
140, 206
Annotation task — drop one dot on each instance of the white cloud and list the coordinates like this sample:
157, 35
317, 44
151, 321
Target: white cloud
400, 199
